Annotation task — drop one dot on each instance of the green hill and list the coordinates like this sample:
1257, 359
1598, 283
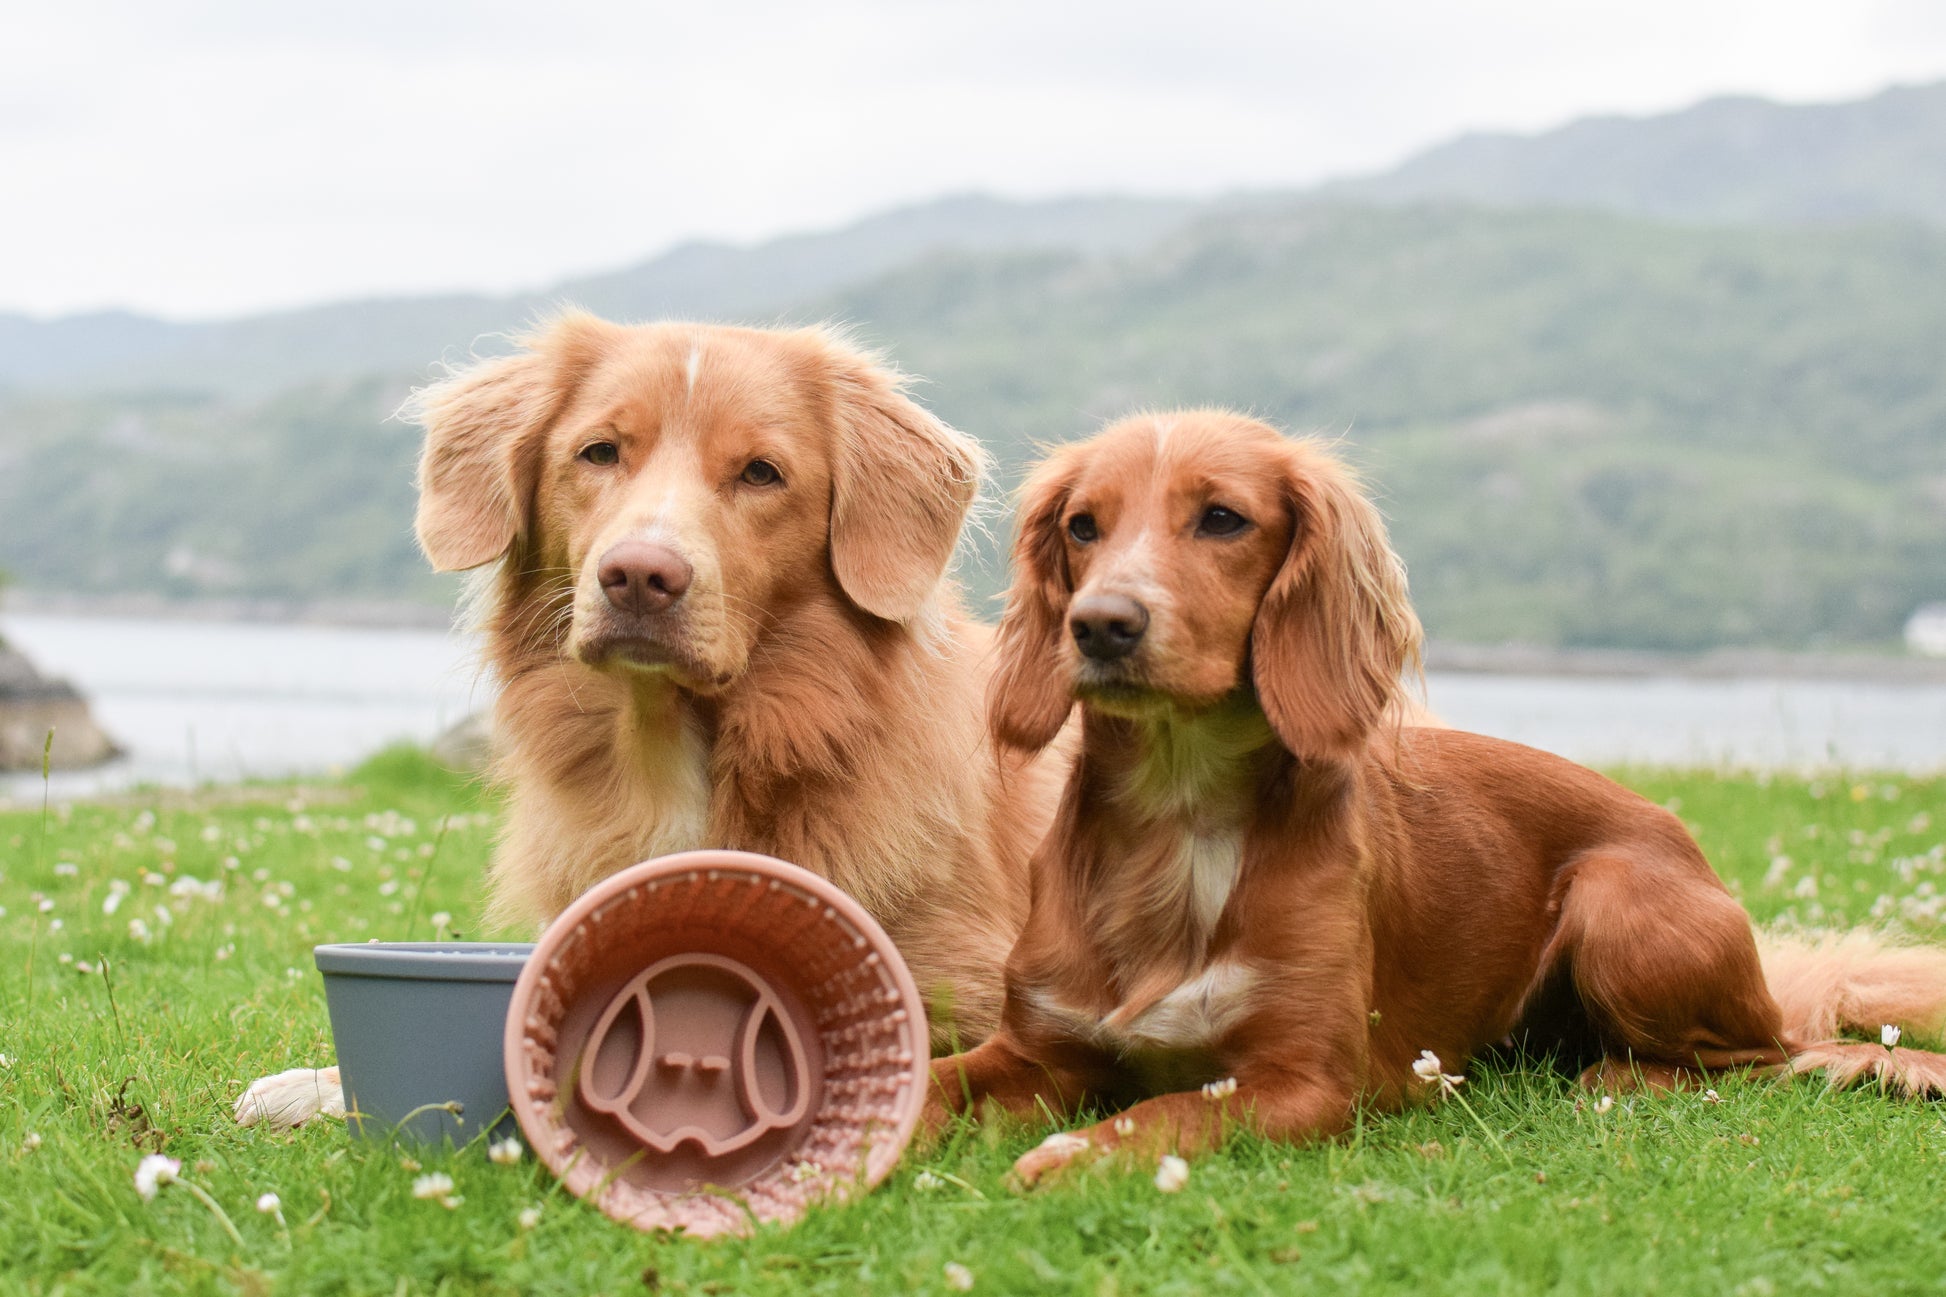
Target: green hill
1739, 159
1588, 429
254, 356
1670, 382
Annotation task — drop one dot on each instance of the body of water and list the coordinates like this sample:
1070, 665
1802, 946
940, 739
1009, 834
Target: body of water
195, 701
192, 701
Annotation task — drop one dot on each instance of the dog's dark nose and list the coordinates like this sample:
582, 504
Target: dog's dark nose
639, 577
1107, 626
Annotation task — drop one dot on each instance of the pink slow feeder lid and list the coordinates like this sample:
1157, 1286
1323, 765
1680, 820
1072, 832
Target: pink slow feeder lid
713, 1039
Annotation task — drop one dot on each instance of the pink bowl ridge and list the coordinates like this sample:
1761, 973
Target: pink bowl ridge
715, 1039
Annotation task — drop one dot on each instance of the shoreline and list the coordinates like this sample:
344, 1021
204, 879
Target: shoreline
1442, 657
1715, 664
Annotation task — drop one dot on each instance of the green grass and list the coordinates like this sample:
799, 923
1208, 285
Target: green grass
116, 1046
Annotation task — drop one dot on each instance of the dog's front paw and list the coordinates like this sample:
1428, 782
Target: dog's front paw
1052, 1156
291, 1098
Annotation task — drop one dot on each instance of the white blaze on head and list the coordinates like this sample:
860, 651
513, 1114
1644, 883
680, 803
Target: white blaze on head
694, 363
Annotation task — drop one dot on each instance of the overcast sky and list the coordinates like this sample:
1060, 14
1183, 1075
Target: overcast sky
211, 157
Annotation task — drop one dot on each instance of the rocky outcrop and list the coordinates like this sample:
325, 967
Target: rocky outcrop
31, 704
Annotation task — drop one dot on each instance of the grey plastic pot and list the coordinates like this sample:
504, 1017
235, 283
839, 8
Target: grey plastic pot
418, 1023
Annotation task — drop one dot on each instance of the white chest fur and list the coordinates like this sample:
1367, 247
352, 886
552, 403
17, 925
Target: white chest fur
672, 786
1194, 1016
1210, 861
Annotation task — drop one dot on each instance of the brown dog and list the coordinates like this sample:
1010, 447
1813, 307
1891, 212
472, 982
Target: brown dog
1255, 886
720, 617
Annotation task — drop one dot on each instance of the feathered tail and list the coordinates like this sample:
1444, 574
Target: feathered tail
1860, 982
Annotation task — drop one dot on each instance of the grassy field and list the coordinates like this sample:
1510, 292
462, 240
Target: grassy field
155, 956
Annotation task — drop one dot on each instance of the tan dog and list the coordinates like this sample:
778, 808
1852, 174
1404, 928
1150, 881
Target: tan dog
1259, 886
721, 618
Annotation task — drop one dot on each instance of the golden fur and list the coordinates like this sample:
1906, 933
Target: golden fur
816, 692
1258, 880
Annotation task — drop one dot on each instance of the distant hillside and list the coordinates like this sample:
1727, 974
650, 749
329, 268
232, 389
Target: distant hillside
1732, 160
1726, 160
1673, 382
306, 494
1587, 429
257, 355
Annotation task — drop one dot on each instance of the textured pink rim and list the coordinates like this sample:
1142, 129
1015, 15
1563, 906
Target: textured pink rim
688, 862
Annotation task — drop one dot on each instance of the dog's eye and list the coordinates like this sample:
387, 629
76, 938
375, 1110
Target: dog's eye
602, 453
1218, 521
761, 472
1082, 528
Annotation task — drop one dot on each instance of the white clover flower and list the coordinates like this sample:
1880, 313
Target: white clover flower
437, 1184
154, 1171
46, 906
1214, 1090
441, 921
927, 1182
1171, 1174
30, 1141
1711, 1096
505, 1152
188, 885
1428, 1069
529, 1218
1603, 1104
139, 931
269, 1203
958, 1277
117, 889
1888, 1035
66, 869
6, 1060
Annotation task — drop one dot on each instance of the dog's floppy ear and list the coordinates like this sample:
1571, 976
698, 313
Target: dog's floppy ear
479, 466
902, 482
1029, 696
1336, 629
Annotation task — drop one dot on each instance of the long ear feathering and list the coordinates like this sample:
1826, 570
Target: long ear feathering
1336, 629
902, 483
1029, 698
477, 470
